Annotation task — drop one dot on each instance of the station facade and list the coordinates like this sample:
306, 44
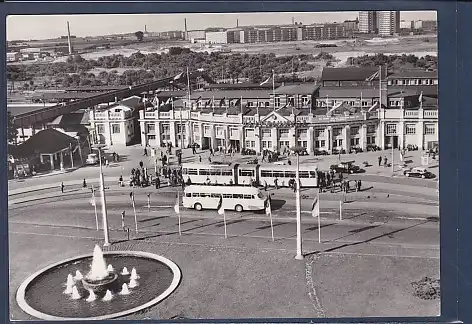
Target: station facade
319, 118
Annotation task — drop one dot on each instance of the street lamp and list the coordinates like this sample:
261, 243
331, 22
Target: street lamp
102, 191
298, 149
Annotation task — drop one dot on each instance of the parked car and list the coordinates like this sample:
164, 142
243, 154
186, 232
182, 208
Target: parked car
345, 167
356, 149
418, 172
92, 159
320, 152
373, 148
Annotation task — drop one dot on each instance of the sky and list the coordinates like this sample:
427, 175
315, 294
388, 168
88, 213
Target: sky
29, 27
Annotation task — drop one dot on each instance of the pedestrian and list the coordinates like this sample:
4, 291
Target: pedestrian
265, 185
123, 220
295, 185
145, 152
84, 184
359, 184
385, 161
289, 162
380, 160
230, 182
200, 158
320, 188
211, 152
209, 159
347, 186
276, 183
107, 163
120, 181
189, 182
141, 164
158, 183
62, 187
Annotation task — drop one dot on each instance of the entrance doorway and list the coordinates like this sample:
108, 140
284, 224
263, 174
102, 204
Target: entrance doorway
389, 140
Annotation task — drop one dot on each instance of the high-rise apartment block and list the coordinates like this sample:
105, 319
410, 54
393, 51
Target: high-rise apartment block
368, 22
388, 22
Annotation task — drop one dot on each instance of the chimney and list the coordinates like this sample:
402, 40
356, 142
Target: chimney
237, 23
145, 28
293, 20
68, 39
186, 32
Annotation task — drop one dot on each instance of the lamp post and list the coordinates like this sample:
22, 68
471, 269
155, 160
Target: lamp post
299, 255
102, 191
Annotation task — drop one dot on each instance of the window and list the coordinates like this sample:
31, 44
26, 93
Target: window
337, 143
320, 144
166, 129
266, 173
150, 128
371, 129
277, 101
248, 143
354, 141
219, 130
371, 140
196, 128
304, 174
319, 132
100, 128
291, 101
365, 103
228, 196
391, 129
249, 132
410, 129
115, 128
305, 100
429, 129
264, 144
206, 129
337, 131
180, 128
301, 132
246, 173
151, 137
283, 132
290, 174
266, 132
233, 131
355, 130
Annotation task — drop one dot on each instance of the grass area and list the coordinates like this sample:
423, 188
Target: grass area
365, 286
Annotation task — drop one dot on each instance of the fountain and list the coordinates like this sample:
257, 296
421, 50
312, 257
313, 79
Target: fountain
108, 296
99, 277
96, 290
134, 274
78, 276
124, 290
91, 297
133, 283
75, 293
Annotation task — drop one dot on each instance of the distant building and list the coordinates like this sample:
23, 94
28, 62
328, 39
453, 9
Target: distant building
350, 25
13, 56
368, 22
429, 26
406, 24
175, 34
388, 22
195, 35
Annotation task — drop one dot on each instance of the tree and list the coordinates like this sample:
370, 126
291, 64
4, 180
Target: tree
12, 130
139, 35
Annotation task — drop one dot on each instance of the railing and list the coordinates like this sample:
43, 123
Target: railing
411, 114
164, 115
327, 119
430, 114
150, 115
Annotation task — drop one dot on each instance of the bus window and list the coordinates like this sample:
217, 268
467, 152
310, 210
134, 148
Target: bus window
278, 174
247, 196
265, 173
215, 172
290, 174
227, 196
312, 174
188, 194
193, 171
238, 196
303, 174
246, 173
227, 172
215, 195
195, 194
204, 172
202, 194
184, 171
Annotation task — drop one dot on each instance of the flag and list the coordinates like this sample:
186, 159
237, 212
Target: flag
208, 102
198, 100
222, 101
238, 102
168, 101
220, 208
92, 200
266, 81
178, 76
315, 208
131, 196
420, 98
268, 208
373, 76
177, 207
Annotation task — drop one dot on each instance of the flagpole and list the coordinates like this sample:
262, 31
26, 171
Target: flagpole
178, 214
319, 219
134, 210
273, 86
299, 255
95, 207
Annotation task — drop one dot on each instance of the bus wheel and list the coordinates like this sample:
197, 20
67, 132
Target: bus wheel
198, 206
239, 208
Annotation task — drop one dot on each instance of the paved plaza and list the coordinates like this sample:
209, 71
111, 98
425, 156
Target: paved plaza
386, 237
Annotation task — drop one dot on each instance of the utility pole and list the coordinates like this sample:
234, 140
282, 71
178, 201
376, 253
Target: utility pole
103, 200
299, 255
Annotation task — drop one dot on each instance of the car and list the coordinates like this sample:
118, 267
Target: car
92, 159
345, 167
418, 172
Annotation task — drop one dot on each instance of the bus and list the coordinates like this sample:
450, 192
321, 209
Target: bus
245, 174
238, 198
283, 173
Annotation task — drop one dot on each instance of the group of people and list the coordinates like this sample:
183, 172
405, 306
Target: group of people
269, 156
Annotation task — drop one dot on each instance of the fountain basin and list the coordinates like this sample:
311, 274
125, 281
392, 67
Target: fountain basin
101, 284
159, 278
